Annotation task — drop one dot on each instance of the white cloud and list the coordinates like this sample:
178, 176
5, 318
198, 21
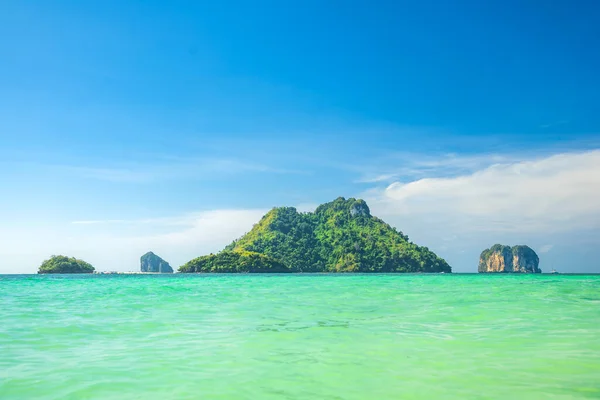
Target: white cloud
545, 248
207, 229
557, 193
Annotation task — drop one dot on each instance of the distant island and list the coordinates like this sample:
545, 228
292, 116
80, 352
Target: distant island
500, 258
65, 265
150, 262
340, 236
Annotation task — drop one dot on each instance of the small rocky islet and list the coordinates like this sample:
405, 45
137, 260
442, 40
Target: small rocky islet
65, 265
150, 262
505, 259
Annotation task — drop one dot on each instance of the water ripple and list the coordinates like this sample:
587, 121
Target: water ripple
299, 337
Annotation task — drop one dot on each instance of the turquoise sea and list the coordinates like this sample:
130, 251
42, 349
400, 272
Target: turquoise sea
446, 336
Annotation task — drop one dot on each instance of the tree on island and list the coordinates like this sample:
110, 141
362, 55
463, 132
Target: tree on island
65, 265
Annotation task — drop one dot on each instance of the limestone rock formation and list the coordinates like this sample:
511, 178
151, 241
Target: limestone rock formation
499, 258
150, 262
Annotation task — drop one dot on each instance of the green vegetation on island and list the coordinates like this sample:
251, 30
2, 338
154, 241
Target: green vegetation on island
234, 261
340, 236
65, 265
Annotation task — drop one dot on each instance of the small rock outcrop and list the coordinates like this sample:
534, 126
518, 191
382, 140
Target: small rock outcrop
360, 207
499, 258
150, 262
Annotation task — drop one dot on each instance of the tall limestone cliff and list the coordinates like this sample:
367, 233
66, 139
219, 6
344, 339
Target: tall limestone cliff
150, 262
499, 258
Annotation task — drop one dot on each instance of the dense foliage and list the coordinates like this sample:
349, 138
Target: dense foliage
65, 265
234, 261
340, 236
497, 248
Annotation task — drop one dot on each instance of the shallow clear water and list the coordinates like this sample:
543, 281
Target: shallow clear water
300, 337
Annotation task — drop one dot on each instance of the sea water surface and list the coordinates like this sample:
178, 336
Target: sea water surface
299, 337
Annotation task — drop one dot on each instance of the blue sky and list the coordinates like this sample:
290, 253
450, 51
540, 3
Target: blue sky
171, 126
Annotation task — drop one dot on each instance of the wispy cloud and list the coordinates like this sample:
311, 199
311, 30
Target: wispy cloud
557, 123
161, 170
377, 178
147, 221
411, 166
407, 166
98, 222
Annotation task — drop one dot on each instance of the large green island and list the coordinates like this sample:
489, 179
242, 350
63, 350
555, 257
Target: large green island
340, 236
65, 265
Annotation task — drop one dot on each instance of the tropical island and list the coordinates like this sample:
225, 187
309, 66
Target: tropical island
340, 236
506, 259
65, 265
